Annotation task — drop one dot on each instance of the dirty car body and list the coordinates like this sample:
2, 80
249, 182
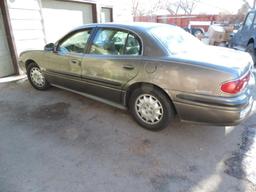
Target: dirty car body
203, 83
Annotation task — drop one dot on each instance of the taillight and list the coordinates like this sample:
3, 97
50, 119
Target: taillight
235, 86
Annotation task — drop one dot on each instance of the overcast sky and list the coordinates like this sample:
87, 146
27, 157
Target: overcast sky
215, 6
205, 6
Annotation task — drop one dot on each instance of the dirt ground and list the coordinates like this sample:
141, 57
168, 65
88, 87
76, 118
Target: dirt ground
57, 141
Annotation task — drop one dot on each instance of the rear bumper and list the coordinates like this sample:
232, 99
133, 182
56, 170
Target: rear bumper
215, 110
213, 114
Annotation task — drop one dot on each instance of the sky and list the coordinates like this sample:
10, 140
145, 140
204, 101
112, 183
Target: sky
205, 6
216, 6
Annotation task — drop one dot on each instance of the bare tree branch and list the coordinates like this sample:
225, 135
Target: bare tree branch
186, 6
249, 5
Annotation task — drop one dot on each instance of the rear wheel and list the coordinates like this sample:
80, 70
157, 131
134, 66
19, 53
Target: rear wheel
36, 77
250, 49
151, 108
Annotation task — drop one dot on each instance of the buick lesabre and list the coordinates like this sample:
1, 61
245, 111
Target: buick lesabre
156, 71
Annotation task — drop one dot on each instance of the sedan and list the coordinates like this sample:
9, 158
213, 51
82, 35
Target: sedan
156, 71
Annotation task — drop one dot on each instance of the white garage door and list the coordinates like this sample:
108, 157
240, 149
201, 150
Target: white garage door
61, 17
6, 66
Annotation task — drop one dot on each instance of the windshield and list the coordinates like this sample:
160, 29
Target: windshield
175, 39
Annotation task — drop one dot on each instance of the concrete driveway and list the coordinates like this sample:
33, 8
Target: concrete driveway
57, 141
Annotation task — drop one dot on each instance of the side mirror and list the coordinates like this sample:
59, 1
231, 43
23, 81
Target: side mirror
49, 47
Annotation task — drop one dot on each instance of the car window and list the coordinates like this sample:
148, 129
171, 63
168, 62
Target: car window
133, 46
115, 42
176, 40
249, 20
75, 43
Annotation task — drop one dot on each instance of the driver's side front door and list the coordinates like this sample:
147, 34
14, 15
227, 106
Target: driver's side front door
64, 64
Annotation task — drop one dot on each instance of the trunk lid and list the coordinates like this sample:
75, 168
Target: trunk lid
218, 57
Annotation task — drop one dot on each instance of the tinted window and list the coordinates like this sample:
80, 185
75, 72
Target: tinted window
115, 42
75, 43
249, 20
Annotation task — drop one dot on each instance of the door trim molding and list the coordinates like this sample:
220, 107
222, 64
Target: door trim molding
120, 106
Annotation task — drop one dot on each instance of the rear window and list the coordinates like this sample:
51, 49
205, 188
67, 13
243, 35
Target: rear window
175, 39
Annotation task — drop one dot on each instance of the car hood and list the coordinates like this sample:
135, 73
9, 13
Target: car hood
219, 58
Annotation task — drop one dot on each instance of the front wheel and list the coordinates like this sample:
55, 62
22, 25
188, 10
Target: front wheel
36, 77
151, 108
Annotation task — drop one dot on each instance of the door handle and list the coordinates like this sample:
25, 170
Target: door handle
129, 67
75, 62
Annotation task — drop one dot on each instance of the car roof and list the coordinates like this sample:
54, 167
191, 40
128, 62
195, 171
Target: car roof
137, 26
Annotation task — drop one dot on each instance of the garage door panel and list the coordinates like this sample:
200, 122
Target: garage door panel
30, 44
25, 4
61, 17
26, 24
24, 14
28, 34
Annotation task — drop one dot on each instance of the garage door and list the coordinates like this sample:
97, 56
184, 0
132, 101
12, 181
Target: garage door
61, 17
6, 66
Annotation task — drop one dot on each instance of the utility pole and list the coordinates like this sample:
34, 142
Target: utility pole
254, 4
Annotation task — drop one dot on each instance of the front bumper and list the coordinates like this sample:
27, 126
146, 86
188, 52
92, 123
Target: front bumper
216, 110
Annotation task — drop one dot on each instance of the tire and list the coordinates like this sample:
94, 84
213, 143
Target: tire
250, 49
36, 77
198, 32
148, 102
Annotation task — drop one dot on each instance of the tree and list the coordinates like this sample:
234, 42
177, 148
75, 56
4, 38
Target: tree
188, 6
181, 6
146, 7
248, 4
135, 7
174, 7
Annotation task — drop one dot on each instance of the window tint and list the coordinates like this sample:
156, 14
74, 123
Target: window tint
76, 43
249, 20
115, 42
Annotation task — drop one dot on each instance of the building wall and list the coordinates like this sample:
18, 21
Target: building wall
122, 10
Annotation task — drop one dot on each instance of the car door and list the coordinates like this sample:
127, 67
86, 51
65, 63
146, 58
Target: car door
113, 59
242, 36
64, 64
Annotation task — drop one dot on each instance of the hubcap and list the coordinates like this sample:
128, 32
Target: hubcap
149, 109
37, 77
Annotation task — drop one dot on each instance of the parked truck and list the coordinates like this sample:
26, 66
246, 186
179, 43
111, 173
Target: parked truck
245, 38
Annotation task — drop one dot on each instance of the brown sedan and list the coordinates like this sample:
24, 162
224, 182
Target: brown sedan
154, 70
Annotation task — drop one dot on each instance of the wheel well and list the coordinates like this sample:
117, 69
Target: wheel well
28, 62
145, 85
250, 41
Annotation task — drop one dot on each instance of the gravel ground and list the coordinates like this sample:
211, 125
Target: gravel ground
57, 141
